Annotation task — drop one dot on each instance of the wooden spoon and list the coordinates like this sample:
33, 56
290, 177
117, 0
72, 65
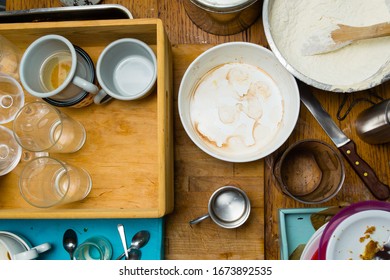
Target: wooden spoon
342, 35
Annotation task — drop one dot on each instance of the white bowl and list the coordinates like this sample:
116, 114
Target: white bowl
246, 53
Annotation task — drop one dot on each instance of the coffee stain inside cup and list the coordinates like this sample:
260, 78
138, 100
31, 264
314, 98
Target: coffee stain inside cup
55, 70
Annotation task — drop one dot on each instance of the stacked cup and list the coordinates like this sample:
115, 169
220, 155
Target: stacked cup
11, 100
63, 75
45, 181
64, 78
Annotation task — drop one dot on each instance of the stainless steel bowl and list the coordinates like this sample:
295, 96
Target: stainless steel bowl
372, 81
223, 17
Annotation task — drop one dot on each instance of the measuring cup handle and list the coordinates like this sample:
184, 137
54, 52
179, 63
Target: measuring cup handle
199, 219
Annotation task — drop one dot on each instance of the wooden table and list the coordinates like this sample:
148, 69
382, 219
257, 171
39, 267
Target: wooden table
197, 174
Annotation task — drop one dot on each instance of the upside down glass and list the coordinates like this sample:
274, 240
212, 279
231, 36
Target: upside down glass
40, 127
45, 182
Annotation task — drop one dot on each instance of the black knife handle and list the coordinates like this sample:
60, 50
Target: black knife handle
365, 172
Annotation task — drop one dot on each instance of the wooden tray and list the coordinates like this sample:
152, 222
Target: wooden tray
129, 147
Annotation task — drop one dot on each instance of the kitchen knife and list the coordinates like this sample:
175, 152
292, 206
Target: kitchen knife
345, 145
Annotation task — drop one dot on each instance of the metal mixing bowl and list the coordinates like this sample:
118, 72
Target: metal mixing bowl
372, 81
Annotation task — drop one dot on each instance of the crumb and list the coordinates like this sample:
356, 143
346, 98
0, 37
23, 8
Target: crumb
370, 250
370, 230
367, 234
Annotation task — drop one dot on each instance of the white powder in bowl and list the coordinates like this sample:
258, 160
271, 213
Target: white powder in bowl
356, 66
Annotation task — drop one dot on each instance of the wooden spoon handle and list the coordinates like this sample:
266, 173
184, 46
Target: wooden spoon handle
352, 33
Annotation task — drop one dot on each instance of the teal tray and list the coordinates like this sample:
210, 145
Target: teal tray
295, 228
52, 231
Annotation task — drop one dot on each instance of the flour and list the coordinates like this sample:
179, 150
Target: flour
354, 66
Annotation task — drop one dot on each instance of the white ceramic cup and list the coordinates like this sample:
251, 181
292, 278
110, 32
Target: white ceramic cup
14, 247
49, 67
126, 70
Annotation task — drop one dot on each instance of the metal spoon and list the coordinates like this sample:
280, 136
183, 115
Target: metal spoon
134, 254
139, 240
121, 230
69, 242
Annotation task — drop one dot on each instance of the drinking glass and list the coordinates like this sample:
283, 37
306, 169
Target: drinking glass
45, 182
94, 248
11, 98
40, 127
10, 151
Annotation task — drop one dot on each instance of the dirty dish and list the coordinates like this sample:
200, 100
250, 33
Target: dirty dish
344, 214
351, 239
233, 102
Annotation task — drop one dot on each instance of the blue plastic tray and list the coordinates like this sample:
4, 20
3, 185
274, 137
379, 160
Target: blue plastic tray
295, 228
52, 231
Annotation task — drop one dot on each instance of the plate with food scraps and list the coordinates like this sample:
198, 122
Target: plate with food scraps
359, 236
343, 215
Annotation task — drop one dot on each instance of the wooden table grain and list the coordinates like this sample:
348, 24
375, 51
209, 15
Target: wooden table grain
197, 174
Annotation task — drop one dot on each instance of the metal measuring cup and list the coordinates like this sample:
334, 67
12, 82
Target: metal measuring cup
228, 207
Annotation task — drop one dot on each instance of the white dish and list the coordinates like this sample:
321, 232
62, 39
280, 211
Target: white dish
313, 244
345, 242
241, 53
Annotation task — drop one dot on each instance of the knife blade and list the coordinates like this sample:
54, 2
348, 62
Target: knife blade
345, 145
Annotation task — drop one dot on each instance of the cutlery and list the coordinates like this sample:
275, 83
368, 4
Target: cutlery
70, 242
341, 35
122, 235
139, 240
384, 254
345, 145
